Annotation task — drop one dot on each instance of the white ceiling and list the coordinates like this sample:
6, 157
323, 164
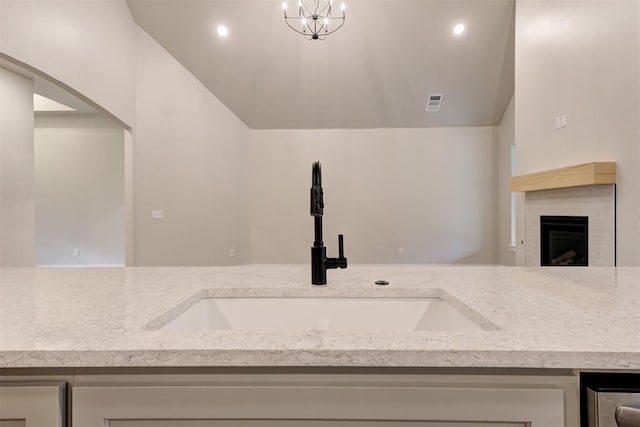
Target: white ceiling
375, 72
42, 103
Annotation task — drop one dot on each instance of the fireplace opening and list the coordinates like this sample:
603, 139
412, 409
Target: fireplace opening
564, 241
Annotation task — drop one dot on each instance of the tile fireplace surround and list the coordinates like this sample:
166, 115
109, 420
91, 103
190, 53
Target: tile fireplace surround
582, 190
596, 202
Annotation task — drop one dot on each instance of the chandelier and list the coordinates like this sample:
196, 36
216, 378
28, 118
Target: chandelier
314, 20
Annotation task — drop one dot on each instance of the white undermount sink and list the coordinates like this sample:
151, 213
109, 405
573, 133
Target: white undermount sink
304, 314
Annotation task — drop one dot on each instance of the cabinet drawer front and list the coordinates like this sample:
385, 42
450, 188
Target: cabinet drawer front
331, 406
32, 404
301, 423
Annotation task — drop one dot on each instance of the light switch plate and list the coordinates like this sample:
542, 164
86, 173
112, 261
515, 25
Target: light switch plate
157, 214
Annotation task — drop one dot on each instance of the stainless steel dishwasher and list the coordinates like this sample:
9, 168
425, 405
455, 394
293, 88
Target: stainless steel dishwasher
611, 400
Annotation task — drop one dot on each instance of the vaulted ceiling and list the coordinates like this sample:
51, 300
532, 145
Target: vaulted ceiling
375, 72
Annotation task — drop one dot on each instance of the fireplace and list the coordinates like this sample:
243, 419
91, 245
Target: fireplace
564, 241
595, 202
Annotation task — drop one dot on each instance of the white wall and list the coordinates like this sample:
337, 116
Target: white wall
190, 152
432, 192
87, 45
582, 62
190, 160
79, 183
506, 137
17, 241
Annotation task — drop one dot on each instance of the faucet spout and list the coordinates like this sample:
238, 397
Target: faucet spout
316, 174
319, 261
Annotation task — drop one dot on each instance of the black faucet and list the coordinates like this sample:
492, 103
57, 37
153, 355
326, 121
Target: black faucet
319, 261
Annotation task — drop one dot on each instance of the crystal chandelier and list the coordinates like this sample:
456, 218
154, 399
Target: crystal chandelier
314, 20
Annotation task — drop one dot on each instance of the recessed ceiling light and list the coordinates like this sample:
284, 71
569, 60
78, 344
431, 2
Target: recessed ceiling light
222, 31
458, 29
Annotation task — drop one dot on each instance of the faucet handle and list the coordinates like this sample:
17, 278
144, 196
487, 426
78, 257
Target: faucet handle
342, 261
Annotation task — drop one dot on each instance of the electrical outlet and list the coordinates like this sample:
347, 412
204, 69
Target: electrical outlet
558, 123
76, 252
157, 214
400, 251
232, 252
563, 120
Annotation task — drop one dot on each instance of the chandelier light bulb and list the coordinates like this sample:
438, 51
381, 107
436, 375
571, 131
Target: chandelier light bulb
458, 29
284, 5
304, 21
343, 6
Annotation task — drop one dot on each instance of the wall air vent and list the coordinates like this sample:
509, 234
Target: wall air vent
433, 102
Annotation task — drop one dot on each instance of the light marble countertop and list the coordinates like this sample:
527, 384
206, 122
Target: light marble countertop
577, 318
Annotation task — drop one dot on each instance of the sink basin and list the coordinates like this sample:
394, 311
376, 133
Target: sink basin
304, 314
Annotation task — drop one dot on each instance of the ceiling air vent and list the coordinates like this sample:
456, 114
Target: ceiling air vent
433, 102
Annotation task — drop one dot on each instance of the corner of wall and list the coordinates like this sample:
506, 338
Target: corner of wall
191, 158
506, 137
17, 196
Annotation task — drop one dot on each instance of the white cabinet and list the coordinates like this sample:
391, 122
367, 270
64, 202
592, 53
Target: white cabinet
320, 401
303, 423
26, 404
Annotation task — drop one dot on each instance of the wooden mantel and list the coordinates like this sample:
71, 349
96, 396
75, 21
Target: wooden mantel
595, 173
